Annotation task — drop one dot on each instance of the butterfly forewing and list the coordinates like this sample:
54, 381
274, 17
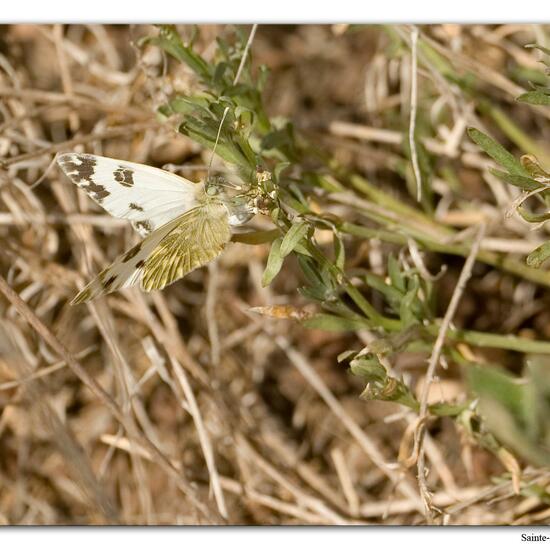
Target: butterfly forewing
147, 196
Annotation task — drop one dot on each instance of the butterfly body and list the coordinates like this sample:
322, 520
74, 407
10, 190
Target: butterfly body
185, 224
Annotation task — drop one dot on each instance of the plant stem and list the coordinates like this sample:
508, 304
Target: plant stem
490, 340
365, 306
491, 258
384, 199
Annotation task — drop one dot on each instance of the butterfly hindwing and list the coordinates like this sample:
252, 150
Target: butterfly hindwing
199, 237
147, 196
126, 270
167, 254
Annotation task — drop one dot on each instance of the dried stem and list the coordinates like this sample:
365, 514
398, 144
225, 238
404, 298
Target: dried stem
465, 275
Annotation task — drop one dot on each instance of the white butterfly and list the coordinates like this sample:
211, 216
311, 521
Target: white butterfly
185, 224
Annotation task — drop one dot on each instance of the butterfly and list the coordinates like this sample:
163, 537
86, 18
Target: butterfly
185, 225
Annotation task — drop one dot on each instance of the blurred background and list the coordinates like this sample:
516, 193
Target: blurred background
186, 407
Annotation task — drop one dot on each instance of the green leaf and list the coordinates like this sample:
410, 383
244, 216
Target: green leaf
339, 252
300, 248
219, 73
283, 140
448, 409
396, 277
406, 309
245, 119
274, 263
393, 295
309, 270
380, 386
291, 201
535, 97
190, 105
539, 255
320, 287
523, 182
532, 217
256, 237
496, 383
369, 367
280, 167
170, 41
231, 147
294, 235
294, 189
514, 409
497, 152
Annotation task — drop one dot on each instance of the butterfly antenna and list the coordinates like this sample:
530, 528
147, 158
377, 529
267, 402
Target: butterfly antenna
216, 143
235, 81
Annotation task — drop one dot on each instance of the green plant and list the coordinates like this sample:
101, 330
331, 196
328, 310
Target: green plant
540, 95
294, 177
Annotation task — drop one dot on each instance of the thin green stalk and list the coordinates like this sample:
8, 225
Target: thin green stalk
491, 258
396, 205
495, 259
364, 305
490, 340
371, 233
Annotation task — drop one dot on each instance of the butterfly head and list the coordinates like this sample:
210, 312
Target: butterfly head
219, 185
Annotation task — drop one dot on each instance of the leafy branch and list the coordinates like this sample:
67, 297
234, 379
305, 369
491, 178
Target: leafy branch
294, 178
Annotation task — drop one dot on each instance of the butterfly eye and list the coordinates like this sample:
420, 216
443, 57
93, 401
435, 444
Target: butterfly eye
212, 190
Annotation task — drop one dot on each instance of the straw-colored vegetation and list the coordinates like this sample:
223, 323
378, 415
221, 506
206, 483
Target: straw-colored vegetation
373, 348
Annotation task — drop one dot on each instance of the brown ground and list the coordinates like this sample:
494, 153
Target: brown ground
204, 412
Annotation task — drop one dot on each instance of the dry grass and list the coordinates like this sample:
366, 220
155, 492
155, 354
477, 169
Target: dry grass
184, 407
